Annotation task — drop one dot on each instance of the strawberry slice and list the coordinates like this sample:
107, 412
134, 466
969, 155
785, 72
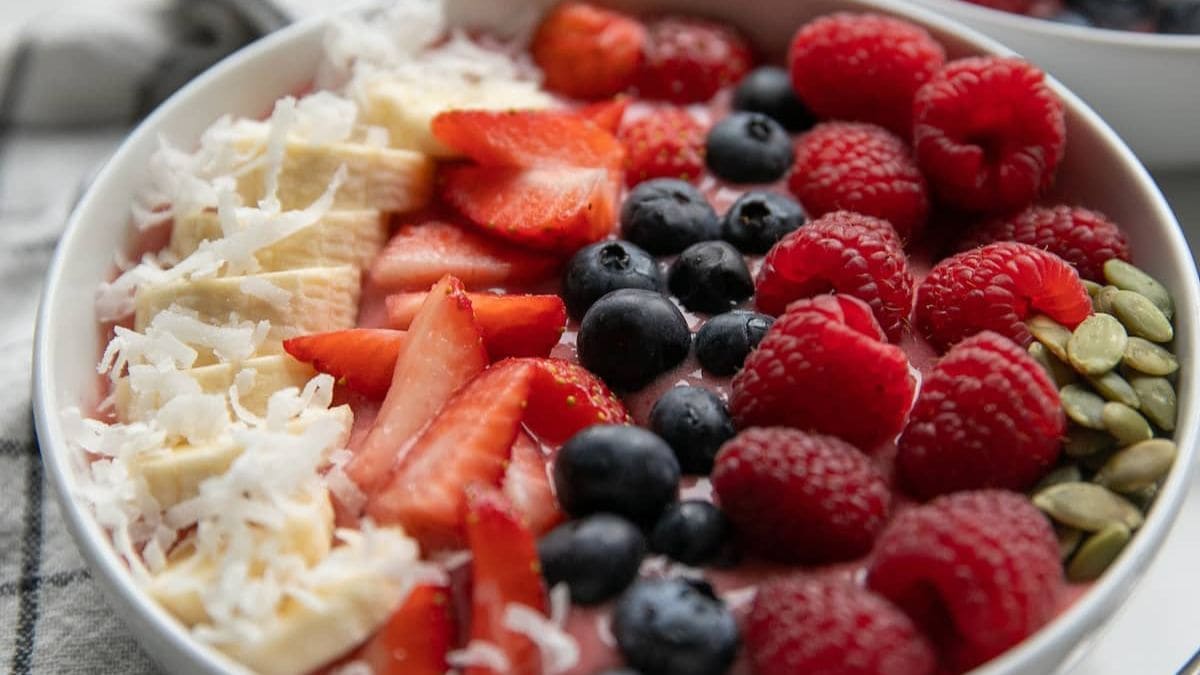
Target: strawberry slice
565, 398
504, 571
363, 358
467, 442
443, 350
512, 325
557, 210
527, 486
419, 255
416, 639
605, 114
528, 138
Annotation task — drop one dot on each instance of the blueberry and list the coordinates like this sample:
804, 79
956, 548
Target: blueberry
748, 148
1181, 17
666, 215
694, 422
1070, 18
1116, 14
757, 220
607, 266
675, 627
618, 469
724, 341
631, 336
768, 90
710, 277
694, 532
597, 557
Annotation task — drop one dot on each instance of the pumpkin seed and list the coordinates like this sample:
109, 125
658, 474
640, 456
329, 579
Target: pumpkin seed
1083, 442
1139, 466
1129, 278
1115, 388
1103, 300
1093, 462
1098, 552
1125, 424
1144, 498
1141, 317
1082, 406
1067, 473
1060, 373
1158, 401
1097, 344
1068, 540
1050, 333
1087, 506
1092, 287
1146, 357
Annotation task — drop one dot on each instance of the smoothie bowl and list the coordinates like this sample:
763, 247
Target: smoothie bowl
559, 340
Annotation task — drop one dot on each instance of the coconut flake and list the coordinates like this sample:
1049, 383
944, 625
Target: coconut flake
266, 291
479, 654
560, 651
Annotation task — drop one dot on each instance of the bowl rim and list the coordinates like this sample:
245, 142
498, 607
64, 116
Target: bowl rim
167, 636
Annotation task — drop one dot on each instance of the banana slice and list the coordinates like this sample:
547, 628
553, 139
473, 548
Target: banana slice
407, 108
295, 302
338, 238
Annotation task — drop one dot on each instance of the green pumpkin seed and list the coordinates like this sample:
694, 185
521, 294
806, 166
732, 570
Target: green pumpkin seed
1115, 388
1068, 540
1087, 506
1050, 333
1146, 357
1097, 345
1067, 473
1158, 401
1144, 498
1125, 424
1141, 317
1060, 373
1082, 406
1092, 287
1137, 467
1103, 300
1129, 278
1083, 442
1098, 552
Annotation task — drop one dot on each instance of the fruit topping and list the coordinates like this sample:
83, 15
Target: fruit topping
748, 147
977, 571
605, 114
528, 138
693, 532
724, 341
667, 215
597, 557
710, 277
675, 627
364, 358
987, 416
996, 287
565, 398
860, 167
512, 325
687, 60
757, 220
631, 336
988, 133
527, 486
665, 143
586, 51
606, 266
417, 637
694, 422
768, 90
618, 469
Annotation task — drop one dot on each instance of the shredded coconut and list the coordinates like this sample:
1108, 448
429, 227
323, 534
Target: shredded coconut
265, 290
560, 651
479, 654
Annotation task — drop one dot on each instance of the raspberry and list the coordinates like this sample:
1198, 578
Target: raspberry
863, 67
987, 416
1084, 238
863, 168
802, 624
978, 571
799, 497
667, 143
988, 133
996, 287
823, 367
687, 60
845, 252
586, 51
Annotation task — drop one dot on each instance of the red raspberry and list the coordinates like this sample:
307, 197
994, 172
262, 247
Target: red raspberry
988, 133
802, 624
987, 416
859, 167
687, 60
978, 571
586, 51
823, 367
845, 252
667, 143
799, 497
863, 67
1084, 238
997, 287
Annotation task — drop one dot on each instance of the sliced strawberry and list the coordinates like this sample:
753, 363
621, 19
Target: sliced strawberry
416, 639
443, 351
362, 357
605, 114
512, 325
527, 486
550, 209
586, 51
419, 255
468, 442
566, 398
528, 138
504, 572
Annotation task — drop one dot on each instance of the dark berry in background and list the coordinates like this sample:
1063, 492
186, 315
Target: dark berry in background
748, 148
631, 336
597, 556
768, 90
758, 219
607, 266
666, 215
616, 468
710, 277
724, 341
694, 422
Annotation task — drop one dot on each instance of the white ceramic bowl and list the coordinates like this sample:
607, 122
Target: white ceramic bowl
1098, 171
1143, 84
